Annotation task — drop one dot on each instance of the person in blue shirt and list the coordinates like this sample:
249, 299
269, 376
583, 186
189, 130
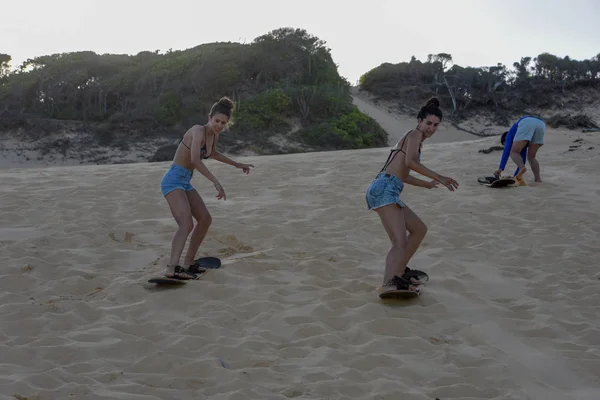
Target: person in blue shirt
522, 142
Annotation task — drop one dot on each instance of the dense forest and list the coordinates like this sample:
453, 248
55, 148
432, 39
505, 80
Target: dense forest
542, 82
284, 82
289, 95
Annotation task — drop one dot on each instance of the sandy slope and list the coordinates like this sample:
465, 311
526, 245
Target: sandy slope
511, 311
397, 125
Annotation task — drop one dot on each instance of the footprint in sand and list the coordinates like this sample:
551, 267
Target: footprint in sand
234, 246
126, 238
26, 269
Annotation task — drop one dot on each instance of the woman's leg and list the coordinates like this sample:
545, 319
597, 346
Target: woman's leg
204, 220
417, 231
180, 208
517, 157
535, 165
392, 218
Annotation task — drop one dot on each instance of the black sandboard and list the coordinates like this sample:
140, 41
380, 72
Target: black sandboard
419, 275
204, 262
486, 179
167, 281
493, 182
209, 262
397, 294
502, 182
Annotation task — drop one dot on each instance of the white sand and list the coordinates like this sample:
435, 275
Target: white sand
510, 312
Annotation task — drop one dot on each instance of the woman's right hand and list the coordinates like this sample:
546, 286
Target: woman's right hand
450, 183
221, 194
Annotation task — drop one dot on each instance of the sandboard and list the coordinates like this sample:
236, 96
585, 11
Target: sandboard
167, 281
421, 276
502, 182
493, 182
486, 179
209, 262
397, 294
204, 262
409, 273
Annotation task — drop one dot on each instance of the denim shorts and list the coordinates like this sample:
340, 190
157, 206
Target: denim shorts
385, 189
176, 177
531, 129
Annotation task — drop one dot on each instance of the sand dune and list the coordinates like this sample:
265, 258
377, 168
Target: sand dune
510, 312
396, 125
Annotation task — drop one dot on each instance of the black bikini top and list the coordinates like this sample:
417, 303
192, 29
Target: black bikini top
202, 149
396, 150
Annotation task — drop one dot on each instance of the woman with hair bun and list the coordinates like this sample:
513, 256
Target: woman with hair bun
198, 143
383, 196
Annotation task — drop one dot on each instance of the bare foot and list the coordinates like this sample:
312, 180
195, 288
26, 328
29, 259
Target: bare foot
519, 177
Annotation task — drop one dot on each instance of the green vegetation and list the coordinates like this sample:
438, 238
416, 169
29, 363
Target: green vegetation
544, 83
285, 82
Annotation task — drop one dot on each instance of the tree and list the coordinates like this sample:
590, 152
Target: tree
531, 82
5, 60
283, 75
441, 60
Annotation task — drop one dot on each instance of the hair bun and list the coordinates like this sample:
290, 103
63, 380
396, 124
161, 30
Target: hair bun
433, 101
226, 102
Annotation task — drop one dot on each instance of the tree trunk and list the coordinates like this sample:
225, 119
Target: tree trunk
303, 101
452, 96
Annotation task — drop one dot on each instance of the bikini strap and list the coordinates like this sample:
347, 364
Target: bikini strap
394, 152
181, 141
389, 159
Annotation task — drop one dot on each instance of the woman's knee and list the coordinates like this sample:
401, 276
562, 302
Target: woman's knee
207, 219
423, 229
204, 218
186, 223
417, 227
419, 230
398, 242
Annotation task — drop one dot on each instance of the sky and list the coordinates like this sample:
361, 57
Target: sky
361, 34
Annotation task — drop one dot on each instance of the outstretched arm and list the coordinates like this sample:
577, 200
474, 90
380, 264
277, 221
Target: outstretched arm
224, 159
411, 180
412, 161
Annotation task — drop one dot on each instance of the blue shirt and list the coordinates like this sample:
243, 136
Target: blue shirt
508, 145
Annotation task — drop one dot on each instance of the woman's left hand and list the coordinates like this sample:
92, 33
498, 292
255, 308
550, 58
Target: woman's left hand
432, 184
